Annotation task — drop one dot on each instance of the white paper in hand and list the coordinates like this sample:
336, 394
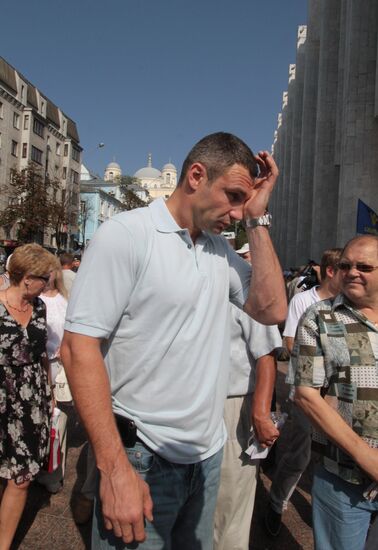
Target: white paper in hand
255, 450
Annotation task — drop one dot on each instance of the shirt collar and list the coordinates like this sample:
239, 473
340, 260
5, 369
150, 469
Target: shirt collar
162, 218
342, 301
165, 222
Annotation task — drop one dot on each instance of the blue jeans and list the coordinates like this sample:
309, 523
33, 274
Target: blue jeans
341, 515
184, 497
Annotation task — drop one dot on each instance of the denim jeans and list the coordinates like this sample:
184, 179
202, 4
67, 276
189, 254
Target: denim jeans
340, 514
184, 497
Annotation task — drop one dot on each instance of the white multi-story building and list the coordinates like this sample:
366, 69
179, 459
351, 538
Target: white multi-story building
33, 128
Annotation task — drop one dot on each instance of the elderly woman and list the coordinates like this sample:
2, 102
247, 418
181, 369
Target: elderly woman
25, 396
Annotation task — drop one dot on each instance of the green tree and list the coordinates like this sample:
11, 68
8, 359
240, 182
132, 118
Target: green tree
129, 197
33, 203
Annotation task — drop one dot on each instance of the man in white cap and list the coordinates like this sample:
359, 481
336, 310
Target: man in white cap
245, 252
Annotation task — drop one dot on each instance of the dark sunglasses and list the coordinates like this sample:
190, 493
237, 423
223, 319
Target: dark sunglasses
363, 268
44, 278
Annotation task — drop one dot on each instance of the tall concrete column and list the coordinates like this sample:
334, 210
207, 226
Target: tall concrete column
275, 205
273, 199
281, 243
295, 148
359, 128
287, 164
326, 173
306, 174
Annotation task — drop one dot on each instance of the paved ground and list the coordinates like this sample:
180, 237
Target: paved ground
47, 522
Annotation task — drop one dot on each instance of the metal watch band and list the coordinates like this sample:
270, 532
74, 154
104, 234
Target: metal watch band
265, 220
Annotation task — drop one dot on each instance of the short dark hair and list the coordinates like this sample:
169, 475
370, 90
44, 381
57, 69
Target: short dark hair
218, 152
66, 258
330, 258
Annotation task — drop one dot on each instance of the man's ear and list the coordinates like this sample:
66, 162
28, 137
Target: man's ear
196, 175
330, 271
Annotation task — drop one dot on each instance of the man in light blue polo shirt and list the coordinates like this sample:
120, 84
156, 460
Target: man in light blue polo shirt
147, 340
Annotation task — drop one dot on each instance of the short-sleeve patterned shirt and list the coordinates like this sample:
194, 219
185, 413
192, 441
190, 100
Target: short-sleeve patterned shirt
336, 348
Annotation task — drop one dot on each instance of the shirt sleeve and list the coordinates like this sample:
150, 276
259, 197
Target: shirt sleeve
104, 281
294, 313
307, 360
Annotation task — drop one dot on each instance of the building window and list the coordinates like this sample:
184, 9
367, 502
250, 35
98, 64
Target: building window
63, 196
26, 122
16, 121
76, 154
64, 175
65, 150
57, 148
74, 199
74, 176
14, 148
38, 128
12, 175
36, 155
168, 179
1, 109
24, 150
22, 93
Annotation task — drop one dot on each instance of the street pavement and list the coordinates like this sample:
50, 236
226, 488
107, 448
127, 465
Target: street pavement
47, 522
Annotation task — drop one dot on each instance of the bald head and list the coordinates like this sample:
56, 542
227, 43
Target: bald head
361, 241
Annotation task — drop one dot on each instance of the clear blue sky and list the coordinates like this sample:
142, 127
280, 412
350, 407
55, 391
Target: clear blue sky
156, 75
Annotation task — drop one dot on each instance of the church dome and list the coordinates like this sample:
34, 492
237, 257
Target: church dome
148, 172
113, 166
169, 166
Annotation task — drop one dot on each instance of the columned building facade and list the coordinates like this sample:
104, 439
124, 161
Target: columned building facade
326, 142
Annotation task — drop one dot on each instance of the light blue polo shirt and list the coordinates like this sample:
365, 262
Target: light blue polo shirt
162, 305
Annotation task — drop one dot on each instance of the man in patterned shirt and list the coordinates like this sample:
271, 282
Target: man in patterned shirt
335, 360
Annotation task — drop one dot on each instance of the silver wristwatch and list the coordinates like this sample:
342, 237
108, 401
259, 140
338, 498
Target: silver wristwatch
266, 220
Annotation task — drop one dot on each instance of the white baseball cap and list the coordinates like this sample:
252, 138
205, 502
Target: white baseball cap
244, 249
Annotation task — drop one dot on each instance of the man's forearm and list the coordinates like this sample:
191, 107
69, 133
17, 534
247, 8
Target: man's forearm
328, 420
262, 400
89, 384
289, 342
266, 301
264, 386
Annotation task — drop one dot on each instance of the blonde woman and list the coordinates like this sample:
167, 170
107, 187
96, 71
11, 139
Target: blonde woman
54, 296
25, 395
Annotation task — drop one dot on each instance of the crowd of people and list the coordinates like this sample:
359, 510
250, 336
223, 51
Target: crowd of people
169, 356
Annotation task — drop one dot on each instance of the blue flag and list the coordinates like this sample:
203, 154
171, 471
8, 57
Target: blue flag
367, 220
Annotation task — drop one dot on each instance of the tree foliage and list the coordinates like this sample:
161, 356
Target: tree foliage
130, 198
35, 204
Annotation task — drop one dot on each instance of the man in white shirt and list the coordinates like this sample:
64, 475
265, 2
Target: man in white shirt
296, 458
251, 385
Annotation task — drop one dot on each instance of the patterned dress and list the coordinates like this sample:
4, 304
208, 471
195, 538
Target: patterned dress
25, 403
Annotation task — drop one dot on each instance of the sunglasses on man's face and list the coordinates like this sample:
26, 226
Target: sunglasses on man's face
363, 268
